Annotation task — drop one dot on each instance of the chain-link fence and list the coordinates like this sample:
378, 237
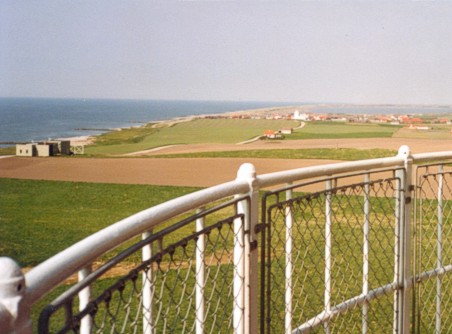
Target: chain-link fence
338, 254
324, 249
433, 252
187, 284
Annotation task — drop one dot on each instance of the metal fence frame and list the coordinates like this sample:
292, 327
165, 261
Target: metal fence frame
19, 292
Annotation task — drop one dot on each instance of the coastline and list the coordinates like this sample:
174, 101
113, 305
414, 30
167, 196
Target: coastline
263, 112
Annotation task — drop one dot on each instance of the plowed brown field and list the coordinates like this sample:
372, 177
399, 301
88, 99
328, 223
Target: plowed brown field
202, 172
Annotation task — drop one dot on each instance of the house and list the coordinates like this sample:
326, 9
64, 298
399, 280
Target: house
300, 116
26, 150
44, 149
286, 131
271, 134
60, 146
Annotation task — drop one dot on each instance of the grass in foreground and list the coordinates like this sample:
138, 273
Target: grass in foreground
40, 218
347, 154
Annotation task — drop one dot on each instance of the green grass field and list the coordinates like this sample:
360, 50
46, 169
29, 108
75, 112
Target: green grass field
335, 130
438, 132
193, 132
347, 154
226, 131
31, 211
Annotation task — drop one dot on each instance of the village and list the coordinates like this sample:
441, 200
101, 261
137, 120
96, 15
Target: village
410, 121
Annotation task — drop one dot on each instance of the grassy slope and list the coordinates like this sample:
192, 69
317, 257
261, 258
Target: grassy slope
40, 218
193, 132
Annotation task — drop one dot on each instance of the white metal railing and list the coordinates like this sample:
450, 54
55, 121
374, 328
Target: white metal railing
250, 243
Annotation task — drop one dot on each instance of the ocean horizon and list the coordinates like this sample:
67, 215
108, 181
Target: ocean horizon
37, 119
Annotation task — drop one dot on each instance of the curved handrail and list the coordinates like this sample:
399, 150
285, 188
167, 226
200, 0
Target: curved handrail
288, 176
427, 157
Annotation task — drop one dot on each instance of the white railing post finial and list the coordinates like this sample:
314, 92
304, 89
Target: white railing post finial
14, 319
404, 151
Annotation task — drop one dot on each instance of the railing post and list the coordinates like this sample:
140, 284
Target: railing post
404, 266
366, 248
328, 249
200, 276
289, 264
439, 261
84, 296
14, 312
148, 288
251, 280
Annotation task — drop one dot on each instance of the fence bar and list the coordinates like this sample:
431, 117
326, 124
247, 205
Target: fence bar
84, 296
439, 261
328, 248
289, 264
200, 276
343, 307
365, 291
438, 272
148, 323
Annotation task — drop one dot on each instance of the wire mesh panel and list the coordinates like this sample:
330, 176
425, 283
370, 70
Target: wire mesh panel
433, 250
187, 285
341, 255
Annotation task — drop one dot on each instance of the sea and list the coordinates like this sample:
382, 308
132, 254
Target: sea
36, 119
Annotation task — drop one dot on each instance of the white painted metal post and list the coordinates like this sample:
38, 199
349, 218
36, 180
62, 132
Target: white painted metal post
366, 251
200, 276
289, 264
439, 261
84, 297
251, 211
239, 278
148, 288
397, 249
14, 312
404, 249
328, 248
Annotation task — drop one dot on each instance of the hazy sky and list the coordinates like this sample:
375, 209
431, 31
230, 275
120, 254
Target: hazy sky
344, 51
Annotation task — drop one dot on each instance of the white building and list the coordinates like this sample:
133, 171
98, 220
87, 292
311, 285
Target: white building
297, 115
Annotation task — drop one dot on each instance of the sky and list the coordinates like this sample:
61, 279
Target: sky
363, 52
